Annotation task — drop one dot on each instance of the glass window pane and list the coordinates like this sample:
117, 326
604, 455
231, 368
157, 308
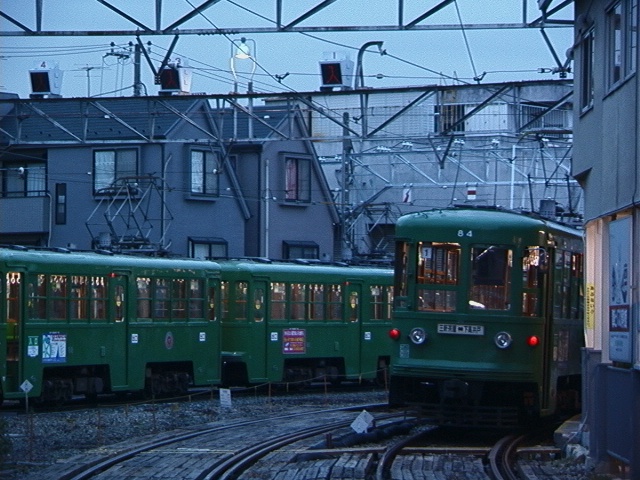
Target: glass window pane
144, 297
104, 169
316, 302
127, 163
437, 300
179, 300
298, 301
490, 278
197, 170
438, 263
241, 300
278, 301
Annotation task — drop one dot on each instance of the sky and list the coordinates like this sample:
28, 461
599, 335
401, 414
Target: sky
285, 61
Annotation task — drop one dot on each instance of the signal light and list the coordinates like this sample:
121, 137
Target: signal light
174, 78
40, 82
533, 341
394, 334
170, 79
45, 80
336, 73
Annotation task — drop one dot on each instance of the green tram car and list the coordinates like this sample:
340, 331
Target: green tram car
296, 323
86, 323
89, 323
488, 316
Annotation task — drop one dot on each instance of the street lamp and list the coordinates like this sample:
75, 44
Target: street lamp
242, 51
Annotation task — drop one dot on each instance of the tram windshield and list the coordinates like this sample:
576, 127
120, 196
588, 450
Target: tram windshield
490, 277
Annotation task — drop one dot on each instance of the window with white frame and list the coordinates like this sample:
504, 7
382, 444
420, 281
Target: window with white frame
300, 250
587, 57
622, 39
112, 165
297, 179
22, 179
204, 248
204, 172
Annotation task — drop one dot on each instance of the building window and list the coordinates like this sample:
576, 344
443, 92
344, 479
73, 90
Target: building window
302, 250
112, 165
20, 179
204, 172
587, 57
622, 26
61, 204
447, 118
297, 179
205, 248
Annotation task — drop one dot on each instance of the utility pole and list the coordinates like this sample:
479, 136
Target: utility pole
137, 81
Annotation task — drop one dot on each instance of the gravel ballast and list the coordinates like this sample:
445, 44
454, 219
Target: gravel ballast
38, 440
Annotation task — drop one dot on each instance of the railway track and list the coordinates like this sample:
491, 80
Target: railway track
287, 447
215, 452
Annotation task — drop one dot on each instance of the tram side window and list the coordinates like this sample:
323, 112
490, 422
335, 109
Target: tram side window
437, 274
378, 310
577, 307
298, 301
79, 298
438, 263
37, 294
258, 305
224, 297
335, 302
196, 299
13, 316
381, 302
179, 298
400, 271
316, 302
61, 297
161, 302
144, 297
533, 265
98, 302
212, 304
58, 289
490, 277
278, 300
242, 289
562, 294
13, 297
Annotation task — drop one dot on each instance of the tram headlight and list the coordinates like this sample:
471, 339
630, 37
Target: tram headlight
503, 340
418, 335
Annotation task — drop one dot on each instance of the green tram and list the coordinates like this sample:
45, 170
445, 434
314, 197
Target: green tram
296, 323
89, 323
488, 316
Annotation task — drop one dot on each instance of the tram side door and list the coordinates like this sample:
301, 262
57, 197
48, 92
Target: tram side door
10, 333
120, 311
351, 343
258, 324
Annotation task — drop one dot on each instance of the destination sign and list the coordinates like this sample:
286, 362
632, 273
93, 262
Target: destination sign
455, 329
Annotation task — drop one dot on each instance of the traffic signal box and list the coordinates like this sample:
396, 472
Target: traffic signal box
336, 73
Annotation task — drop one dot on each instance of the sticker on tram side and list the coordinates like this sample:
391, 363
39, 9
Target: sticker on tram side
54, 348
294, 340
33, 348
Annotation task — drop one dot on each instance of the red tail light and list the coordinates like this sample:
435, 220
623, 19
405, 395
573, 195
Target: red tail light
394, 334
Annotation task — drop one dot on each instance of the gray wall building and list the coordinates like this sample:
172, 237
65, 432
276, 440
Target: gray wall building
606, 162
161, 174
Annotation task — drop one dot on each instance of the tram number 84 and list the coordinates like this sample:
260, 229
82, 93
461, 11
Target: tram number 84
468, 233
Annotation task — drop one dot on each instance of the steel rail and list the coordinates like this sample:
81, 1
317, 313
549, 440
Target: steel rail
91, 469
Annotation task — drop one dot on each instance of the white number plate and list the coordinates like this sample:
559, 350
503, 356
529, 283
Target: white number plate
454, 329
